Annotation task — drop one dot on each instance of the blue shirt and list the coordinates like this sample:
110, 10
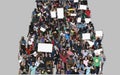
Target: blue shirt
67, 36
32, 70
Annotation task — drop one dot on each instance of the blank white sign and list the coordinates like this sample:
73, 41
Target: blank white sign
82, 7
42, 29
45, 47
39, 14
76, 1
73, 14
86, 36
90, 43
35, 54
53, 14
98, 33
98, 51
78, 19
60, 13
87, 20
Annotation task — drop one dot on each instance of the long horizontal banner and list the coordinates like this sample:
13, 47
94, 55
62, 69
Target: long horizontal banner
45, 47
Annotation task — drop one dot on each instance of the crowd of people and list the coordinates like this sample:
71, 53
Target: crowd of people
71, 54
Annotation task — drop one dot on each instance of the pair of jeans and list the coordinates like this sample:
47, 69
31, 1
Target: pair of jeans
97, 69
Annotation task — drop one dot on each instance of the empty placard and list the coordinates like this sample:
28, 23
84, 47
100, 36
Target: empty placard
53, 14
98, 51
39, 14
83, 7
73, 14
90, 43
42, 29
76, 1
86, 36
35, 54
98, 33
45, 47
87, 20
78, 19
60, 13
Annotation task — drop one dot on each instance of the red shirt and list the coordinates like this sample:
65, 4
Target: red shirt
87, 12
28, 50
64, 58
53, 42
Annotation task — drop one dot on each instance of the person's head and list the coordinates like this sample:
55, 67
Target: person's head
97, 55
64, 52
22, 63
71, 57
22, 38
46, 54
49, 54
87, 8
33, 63
86, 58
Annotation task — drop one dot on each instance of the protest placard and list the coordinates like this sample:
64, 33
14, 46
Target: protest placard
75, 1
45, 47
53, 14
60, 13
86, 36
78, 19
87, 20
42, 29
98, 51
98, 33
82, 7
90, 43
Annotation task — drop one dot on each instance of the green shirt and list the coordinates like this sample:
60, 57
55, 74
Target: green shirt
96, 61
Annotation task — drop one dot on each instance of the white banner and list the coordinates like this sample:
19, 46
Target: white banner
86, 36
82, 7
53, 14
45, 47
60, 13
35, 54
42, 29
87, 20
90, 43
75, 1
73, 14
98, 33
98, 51
78, 19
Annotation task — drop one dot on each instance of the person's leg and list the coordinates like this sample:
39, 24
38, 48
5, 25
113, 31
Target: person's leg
97, 70
102, 67
65, 66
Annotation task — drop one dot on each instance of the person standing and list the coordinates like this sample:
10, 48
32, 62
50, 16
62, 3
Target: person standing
32, 69
96, 63
103, 59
